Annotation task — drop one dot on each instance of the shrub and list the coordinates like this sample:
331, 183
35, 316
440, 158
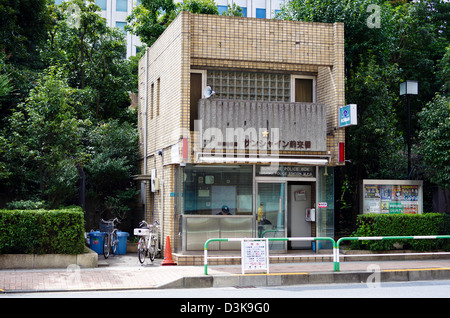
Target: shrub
25, 205
401, 225
42, 231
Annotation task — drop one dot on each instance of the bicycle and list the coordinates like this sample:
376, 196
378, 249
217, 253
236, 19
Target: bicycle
148, 242
111, 240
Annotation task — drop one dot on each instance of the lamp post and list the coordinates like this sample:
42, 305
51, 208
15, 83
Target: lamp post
409, 88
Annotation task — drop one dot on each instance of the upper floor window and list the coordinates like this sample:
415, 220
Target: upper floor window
260, 13
222, 9
250, 86
121, 5
303, 89
121, 26
101, 4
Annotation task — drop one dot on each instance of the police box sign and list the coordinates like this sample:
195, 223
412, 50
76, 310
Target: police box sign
347, 115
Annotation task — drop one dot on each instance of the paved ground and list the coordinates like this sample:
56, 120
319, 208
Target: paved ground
125, 272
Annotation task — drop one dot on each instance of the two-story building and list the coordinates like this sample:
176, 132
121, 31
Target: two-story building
238, 124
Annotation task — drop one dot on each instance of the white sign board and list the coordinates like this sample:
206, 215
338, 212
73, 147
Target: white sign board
323, 205
255, 255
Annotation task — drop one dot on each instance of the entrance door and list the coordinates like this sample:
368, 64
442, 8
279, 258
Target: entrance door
299, 201
270, 212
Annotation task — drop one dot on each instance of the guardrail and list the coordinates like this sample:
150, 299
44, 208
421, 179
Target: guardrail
336, 263
278, 239
378, 238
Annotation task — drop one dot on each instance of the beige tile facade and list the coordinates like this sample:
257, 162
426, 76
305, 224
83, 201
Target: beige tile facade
208, 42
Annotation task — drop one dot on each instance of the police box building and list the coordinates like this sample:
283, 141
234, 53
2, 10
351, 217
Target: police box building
239, 133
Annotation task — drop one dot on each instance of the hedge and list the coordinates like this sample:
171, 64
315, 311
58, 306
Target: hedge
402, 225
42, 231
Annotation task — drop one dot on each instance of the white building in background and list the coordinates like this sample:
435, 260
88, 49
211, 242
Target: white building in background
116, 11
264, 9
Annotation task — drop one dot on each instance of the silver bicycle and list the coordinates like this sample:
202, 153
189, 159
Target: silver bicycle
110, 241
148, 244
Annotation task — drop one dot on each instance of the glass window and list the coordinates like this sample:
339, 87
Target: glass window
303, 90
218, 190
260, 13
101, 4
222, 9
250, 86
121, 5
121, 26
244, 11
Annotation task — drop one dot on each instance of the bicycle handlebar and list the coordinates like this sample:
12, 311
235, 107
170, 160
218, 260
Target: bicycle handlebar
143, 222
113, 220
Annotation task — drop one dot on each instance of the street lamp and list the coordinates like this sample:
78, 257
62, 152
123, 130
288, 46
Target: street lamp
409, 88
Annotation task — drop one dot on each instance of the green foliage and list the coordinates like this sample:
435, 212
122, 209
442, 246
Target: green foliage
42, 231
401, 225
113, 157
25, 205
149, 19
72, 114
45, 142
93, 55
233, 10
23, 27
443, 72
435, 140
198, 6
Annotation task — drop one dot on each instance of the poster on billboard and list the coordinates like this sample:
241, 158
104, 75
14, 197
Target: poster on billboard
392, 196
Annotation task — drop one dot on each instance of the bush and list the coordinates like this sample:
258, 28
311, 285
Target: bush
401, 225
42, 231
25, 205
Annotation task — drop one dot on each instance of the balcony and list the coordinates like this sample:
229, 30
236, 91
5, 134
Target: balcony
261, 125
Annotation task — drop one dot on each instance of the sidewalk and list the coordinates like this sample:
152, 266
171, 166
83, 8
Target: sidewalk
125, 272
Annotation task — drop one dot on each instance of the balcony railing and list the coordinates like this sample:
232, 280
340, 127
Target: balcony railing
261, 125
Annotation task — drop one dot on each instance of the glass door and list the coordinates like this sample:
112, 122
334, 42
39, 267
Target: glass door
271, 212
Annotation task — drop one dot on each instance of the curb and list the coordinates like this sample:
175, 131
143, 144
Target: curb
272, 280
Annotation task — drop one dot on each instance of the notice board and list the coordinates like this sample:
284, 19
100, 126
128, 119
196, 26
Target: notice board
392, 196
255, 255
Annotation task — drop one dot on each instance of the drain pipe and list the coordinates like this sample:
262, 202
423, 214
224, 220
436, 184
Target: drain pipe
161, 189
145, 113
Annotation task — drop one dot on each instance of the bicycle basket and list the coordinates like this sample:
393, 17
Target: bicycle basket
106, 226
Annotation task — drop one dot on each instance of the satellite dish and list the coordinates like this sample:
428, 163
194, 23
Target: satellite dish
208, 92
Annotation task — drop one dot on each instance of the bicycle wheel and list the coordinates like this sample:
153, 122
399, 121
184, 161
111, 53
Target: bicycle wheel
152, 251
141, 250
114, 242
106, 246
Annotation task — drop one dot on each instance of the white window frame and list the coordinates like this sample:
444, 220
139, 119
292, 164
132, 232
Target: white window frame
203, 72
313, 78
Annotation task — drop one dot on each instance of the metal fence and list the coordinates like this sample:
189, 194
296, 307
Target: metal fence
336, 245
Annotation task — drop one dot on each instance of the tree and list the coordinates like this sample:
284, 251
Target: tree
113, 157
94, 55
233, 10
443, 72
23, 27
150, 18
435, 141
45, 139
